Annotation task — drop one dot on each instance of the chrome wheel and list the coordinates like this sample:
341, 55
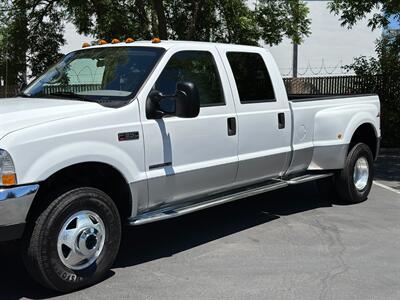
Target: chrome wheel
361, 173
81, 240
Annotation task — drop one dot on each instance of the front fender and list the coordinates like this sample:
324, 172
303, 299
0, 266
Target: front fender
42, 150
67, 155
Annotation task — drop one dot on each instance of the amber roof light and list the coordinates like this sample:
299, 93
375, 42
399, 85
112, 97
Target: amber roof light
115, 41
156, 40
129, 40
85, 45
103, 42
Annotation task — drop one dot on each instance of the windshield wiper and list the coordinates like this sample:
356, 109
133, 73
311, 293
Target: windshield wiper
70, 95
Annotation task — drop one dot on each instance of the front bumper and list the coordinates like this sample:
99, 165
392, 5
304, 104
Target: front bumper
14, 206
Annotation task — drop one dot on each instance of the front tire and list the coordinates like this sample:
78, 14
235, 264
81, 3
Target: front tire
74, 241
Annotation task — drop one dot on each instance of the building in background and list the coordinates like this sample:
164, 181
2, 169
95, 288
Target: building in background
329, 47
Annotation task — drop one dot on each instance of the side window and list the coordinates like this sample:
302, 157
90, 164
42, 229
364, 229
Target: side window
195, 66
251, 77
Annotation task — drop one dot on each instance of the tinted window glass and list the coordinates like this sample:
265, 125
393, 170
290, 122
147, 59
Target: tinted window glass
195, 66
110, 74
251, 76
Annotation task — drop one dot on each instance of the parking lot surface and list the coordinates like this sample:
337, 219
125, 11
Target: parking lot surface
388, 168
287, 244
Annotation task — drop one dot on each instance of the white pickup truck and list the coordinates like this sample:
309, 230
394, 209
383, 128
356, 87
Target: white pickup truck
137, 132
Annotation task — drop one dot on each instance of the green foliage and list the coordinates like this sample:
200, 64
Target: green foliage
33, 32
383, 72
352, 11
12, 46
279, 18
230, 21
383, 75
32, 35
107, 19
45, 35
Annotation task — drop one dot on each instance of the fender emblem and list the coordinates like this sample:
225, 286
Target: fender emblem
128, 136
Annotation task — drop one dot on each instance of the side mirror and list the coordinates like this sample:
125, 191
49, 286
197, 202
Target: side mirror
184, 104
187, 100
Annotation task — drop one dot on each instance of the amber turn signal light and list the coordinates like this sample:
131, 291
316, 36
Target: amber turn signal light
9, 179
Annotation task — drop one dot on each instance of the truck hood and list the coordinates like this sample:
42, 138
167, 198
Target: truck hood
19, 113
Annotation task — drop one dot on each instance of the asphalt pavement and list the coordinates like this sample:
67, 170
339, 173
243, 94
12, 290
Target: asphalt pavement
388, 168
287, 244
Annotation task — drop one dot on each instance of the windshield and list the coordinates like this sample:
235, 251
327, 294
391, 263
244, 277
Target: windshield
110, 76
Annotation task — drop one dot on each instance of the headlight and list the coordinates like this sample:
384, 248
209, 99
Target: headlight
7, 170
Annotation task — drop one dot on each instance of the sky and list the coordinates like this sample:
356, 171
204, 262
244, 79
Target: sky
328, 42
329, 46
394, 24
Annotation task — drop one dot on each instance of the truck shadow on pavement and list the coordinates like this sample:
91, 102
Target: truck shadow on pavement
387, 167
163, 239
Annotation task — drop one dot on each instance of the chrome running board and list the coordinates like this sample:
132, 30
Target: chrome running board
306, 178
187, 208
169, 213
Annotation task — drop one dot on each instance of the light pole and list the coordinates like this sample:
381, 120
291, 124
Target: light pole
295, 59
6, 75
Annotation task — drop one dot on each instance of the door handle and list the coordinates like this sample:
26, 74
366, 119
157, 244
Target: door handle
232, 126
281, 120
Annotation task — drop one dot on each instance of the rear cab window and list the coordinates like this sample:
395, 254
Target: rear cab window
252, 78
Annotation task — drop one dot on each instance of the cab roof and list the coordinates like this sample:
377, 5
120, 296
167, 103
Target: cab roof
168, 44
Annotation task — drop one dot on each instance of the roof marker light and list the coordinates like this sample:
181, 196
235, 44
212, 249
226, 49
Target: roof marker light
85, 45
155, 40
129, 40
103, 42
115, 41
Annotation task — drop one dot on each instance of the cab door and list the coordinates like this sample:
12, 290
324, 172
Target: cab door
263, 113
190, 158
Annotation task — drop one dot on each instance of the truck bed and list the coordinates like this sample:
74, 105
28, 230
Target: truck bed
316, 97
323, 127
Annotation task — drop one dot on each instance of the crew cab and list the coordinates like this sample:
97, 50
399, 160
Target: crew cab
135, 132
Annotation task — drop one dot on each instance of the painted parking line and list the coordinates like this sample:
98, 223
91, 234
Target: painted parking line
387, 187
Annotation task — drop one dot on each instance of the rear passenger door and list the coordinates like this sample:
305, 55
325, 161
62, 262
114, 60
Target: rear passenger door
264, 120
188, 158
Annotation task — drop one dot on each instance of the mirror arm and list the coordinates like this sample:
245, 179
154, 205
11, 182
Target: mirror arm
154, 102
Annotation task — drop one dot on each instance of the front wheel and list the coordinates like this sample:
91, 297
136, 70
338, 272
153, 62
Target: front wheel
74, 241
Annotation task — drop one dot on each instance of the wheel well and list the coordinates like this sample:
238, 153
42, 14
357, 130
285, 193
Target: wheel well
92, 174
365, 134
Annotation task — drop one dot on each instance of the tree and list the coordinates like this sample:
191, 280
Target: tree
14, 47
278, 19
387, 62
229, 21
35, 27
352, 11
45, 34
387, 48
32, 35
382, 73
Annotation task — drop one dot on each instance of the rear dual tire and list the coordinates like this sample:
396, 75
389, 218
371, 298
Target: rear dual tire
353, 183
